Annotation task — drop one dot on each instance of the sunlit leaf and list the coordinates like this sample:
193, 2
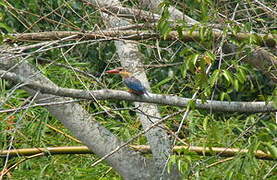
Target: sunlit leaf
215, 76
205, 123
6, 27
272, 149
227, 75
236, 85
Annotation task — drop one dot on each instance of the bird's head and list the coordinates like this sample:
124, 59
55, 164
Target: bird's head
120, 70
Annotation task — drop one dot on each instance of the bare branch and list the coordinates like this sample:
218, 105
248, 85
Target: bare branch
105, 94
75, 69
5, 171
271, 12
124, 12
37, 105
264, 39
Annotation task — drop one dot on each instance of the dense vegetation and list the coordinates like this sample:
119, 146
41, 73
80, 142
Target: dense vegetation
173, 67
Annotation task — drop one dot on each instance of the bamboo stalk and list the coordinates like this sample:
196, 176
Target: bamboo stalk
202, 151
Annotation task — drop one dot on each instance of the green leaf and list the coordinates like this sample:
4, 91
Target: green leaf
236, 85
6, 27
191, 104
224, 96
163, 23
172, 161
3, 4
162, 82
272, 149
227, 75
194, 58
164, 27
184, 70
215, 76
205, 123
241, 76
186, 52
193, 28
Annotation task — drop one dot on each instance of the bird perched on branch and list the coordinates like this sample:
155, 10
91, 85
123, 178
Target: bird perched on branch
134, 85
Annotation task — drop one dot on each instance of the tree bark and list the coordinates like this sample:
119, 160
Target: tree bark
104, 94
157, 137
128, 163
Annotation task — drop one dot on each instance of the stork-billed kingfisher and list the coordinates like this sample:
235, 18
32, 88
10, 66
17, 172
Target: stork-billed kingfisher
134, 85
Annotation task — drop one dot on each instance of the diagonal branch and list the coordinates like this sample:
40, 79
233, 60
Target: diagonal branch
101, 141
157, 137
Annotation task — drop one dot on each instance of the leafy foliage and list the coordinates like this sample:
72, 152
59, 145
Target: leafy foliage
197, 66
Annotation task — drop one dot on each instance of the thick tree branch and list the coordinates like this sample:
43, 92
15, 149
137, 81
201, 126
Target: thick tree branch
128, 163
260, 58
104, 94
268, 39
157, 137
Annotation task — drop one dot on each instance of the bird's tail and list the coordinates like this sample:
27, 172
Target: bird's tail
146, 93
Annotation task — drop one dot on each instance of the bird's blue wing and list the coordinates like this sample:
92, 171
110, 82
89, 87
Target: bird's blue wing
134, 84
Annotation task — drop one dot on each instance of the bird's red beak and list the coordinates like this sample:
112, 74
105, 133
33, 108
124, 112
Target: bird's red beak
113, 71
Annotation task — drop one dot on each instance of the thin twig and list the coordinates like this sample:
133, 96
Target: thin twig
39, 105
73, 68
271, 12
219, 162
5, 171
135, 137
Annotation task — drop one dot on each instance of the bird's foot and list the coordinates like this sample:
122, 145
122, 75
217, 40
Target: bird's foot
135, 92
